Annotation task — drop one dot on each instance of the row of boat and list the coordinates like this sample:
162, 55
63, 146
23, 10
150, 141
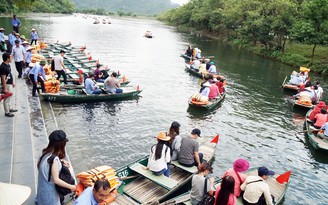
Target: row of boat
75, 59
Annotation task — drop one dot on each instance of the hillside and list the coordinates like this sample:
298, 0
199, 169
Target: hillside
146, 7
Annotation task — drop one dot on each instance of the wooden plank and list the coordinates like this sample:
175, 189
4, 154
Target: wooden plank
162, 180
192, 169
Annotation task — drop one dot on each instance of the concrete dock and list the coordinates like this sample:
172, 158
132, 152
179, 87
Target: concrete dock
22, 138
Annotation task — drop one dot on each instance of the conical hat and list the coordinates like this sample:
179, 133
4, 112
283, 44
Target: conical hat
13, 194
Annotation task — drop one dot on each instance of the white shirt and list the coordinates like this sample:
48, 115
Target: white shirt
159, 164
212, 69
253, 191
320, 92
18, 53
196, 63
57, 60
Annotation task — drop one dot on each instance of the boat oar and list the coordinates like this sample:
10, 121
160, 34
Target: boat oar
284, 82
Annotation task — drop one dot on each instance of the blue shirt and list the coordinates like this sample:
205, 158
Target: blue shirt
15, 22
36, 70
86, 198
205, 91
2, 36
34, 35
11, 39
89, 85
28, 56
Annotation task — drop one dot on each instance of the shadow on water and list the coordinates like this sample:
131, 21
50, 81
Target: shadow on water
318, 155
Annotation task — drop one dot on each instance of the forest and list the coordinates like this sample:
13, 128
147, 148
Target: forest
291, 31
39, 6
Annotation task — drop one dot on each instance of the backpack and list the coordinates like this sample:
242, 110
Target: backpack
64, 174
207, 199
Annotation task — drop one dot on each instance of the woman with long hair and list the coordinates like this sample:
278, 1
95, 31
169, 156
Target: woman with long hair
225, 192
48, 178
159, 157
175, 141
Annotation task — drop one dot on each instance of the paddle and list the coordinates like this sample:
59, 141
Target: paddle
284, 82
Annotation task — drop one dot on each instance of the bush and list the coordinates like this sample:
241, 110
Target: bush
294, 59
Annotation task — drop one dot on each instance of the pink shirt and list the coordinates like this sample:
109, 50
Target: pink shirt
232, 198
321, 119
214, 91
231, 172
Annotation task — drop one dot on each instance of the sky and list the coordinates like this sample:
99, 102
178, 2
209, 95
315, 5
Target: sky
180, 1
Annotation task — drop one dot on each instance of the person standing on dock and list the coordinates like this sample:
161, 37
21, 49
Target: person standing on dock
16, 23
18, 52
7, 82
11, 41
34, 36
2, 39
60, 67
35, 77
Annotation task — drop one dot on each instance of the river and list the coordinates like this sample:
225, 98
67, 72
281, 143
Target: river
255, 121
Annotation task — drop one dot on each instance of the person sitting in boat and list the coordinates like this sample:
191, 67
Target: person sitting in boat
81, 78
112, 84
295, 79
205, 90
214, 90
96, 194
175, 142
199, 53
256, 190
202, 66
189, 51
320, 118
195, 64
90, 85
316, 110
98, 74
189, 155
224, 194
221, 84
212, 68
239, 166
198, 181
323, 133
305, 85
160, 156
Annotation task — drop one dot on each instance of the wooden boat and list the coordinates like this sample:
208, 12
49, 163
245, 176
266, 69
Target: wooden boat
198, 74
80, 96
187, 58
277, 189
211, 103
297, 104
141, 186
289, 87
316, 142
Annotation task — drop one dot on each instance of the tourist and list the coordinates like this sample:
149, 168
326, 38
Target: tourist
37, 74
96, 194
212, 68
195, 64
112, 84
239, 166
221, 84
175, 141
2, 39
160, 156
16, 23
90, 86
224, 194
202, 66
11, 41
189, 155
98, 74
256, 191
323, 132
8, 84
26, 73
205, 90
18, 52
59, 66
189, 51
34, 36
316, 110
198, 184
214, 90
320, 90
28, 56
46, 191
320, 118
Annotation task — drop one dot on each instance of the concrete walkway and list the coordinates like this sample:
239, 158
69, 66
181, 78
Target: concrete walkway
21, 138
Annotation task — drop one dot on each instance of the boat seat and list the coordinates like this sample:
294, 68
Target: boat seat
162, 180
312, 128
84, 91
192, 169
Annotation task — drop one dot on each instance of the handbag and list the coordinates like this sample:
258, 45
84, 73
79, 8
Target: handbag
207, 199
64, 174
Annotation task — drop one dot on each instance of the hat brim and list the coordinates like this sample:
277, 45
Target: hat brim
270, 173
164, 139
66, 140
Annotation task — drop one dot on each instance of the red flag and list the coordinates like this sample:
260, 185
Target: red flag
216, 139
284, 177
90, 57
138, 88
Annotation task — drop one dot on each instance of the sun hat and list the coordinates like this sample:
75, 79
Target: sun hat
31, 65
241, 165
57, 136
29, 48
162, 136
207, 84
321, 104
17, 34
23, 37
33, 29
25, 42
196, 131
2, 29
212, 63
264, 171
13, 193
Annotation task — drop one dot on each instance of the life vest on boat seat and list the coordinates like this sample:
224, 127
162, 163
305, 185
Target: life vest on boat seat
199, 99
52, 86
304, 99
